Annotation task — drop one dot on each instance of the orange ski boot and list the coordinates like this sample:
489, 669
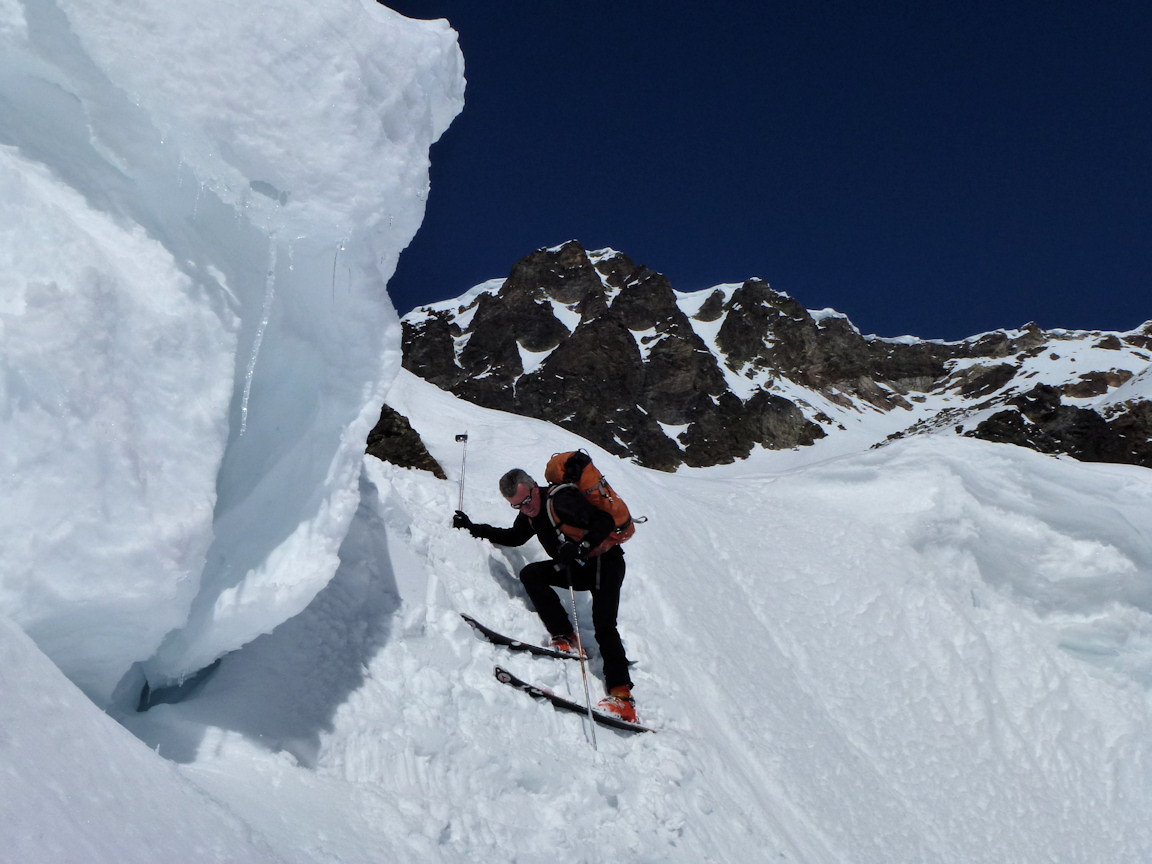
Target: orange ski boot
567, 644
619, 703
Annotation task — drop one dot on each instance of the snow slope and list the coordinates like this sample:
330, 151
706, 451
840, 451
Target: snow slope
936, 651
77, 787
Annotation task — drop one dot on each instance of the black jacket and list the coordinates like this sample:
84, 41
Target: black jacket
571, 507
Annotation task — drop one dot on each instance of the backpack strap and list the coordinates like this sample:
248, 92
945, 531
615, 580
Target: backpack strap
551, 505
555, 519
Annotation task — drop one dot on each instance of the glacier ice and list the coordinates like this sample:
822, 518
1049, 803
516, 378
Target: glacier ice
200, 207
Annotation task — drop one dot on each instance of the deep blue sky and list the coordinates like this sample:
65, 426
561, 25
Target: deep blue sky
929, 168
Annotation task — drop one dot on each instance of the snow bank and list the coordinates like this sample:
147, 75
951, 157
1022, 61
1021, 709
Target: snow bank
114, 384
201, 205
76, 786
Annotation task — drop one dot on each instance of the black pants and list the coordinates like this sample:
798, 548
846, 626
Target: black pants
603, 576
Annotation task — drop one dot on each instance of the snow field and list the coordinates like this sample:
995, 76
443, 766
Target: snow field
857, 660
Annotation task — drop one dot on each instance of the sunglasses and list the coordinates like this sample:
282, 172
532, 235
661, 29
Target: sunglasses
525, 501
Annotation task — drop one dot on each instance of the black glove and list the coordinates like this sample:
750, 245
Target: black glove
461, 520
568, 554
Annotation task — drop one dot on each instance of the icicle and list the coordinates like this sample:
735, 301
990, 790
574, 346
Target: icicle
196, 202
265, 314
340, 247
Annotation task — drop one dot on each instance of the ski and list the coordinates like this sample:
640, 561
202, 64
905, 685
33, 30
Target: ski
563, 704
515, 644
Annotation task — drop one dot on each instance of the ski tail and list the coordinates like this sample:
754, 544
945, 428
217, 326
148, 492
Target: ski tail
513, 644
562, 703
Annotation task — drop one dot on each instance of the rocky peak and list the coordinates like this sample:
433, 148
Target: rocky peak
595, 343
564, 274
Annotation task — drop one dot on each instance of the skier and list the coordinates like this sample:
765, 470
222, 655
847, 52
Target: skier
571, 566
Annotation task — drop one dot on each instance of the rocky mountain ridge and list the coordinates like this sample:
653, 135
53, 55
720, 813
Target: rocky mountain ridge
606, 348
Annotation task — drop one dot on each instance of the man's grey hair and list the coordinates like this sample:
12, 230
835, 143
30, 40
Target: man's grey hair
510, 481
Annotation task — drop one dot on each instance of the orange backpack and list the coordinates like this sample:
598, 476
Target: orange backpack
575, 469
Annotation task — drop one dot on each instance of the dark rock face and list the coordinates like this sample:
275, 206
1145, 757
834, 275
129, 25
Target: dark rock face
727, 430
1040, 421
983, 380
1096, 383
599, 345
631, 363
771, 330
432, 355
394, 440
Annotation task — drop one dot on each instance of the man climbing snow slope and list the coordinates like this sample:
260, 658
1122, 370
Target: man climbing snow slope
580, 565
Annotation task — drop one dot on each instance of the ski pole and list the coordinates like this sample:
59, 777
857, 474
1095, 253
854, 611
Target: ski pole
583, 668
463, 439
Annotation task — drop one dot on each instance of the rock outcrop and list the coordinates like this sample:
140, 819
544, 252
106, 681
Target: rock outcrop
394, 440
1038, 419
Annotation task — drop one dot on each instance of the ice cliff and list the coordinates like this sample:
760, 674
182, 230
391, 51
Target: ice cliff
200, 207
